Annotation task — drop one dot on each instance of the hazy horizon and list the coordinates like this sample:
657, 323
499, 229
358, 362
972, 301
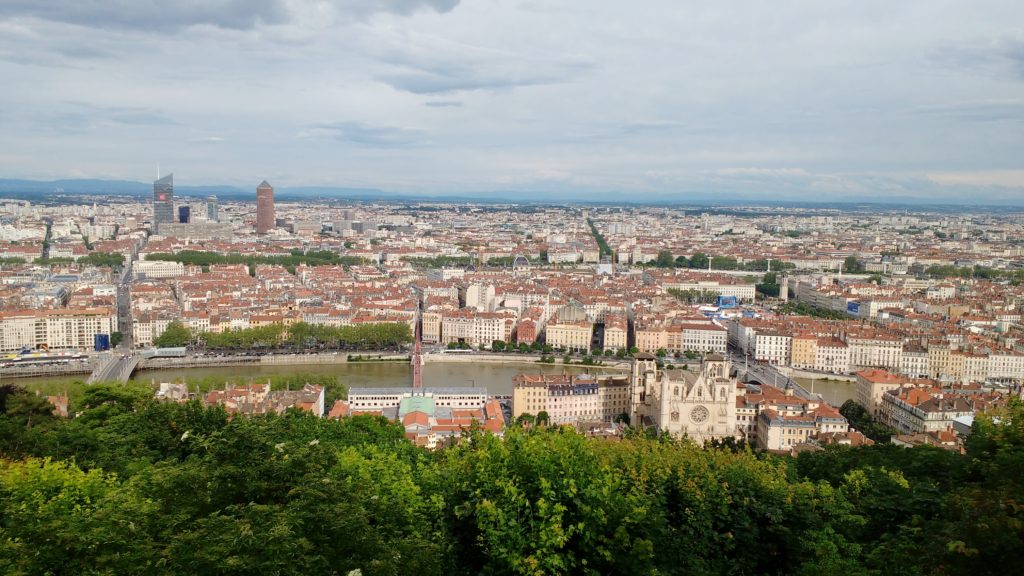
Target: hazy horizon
918, 101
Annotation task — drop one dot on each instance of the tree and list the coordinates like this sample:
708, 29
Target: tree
688, 296
175, 335
498, 346
525, 419
543, 418
851, 264
699, 260
116, 338
665, 259
860, 419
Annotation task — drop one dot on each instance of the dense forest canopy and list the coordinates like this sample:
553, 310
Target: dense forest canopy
133, 486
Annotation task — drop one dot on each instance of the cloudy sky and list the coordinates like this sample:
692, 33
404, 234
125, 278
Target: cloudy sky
598, 98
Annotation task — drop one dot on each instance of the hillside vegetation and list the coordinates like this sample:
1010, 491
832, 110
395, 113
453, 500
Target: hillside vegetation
132, 486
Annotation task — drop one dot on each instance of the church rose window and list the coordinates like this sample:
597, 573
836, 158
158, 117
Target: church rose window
699, 414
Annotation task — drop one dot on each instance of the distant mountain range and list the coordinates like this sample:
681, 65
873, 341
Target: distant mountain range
39, 190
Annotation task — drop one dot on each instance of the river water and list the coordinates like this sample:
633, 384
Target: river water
496, 378
835, 392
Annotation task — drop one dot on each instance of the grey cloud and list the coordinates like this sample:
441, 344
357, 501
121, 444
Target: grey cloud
978, 111
433, 65
443, 104
151, 14
991, 55
396, 6
140, 118
367, 135
1015, 54
178, 14
446, 78
80, 117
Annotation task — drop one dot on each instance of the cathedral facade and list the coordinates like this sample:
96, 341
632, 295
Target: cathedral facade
700, 405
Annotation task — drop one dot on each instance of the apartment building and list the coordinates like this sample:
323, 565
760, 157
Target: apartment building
804, 353
773, 347
56, 329
776, 431
571, 399
476, 328
914, 361
776, 419
911, 410
616, 331
709, 338
874, 350
157, 269
705, 283
873, 383
570, 329
832, 355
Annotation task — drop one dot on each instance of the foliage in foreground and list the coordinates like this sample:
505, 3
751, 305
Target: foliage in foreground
137, 487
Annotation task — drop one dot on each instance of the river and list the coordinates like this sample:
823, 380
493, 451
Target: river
496, 378
835, 392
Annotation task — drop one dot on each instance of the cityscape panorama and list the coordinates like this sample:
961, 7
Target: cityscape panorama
512, 288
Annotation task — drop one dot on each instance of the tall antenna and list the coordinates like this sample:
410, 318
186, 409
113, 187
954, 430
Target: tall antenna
157, 170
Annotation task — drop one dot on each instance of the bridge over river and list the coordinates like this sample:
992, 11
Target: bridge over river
115, 368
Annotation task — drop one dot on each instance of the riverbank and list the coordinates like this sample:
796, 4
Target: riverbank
326, 358
269, 360
515, 359
14, 373
355, 358
810, 375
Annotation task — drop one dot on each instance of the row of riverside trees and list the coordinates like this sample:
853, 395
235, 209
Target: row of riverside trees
299, 336
290, 261
700, 261
134, 486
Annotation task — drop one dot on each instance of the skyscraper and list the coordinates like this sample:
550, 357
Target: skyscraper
264, 208
163, 202
184, 214
211, 209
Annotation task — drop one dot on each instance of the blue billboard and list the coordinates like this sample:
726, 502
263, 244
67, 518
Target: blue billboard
727, 302
853, 308
101, 342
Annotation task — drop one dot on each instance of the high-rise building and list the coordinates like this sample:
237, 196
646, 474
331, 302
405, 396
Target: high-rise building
211, 209
264, 208
163, 202
184, 214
